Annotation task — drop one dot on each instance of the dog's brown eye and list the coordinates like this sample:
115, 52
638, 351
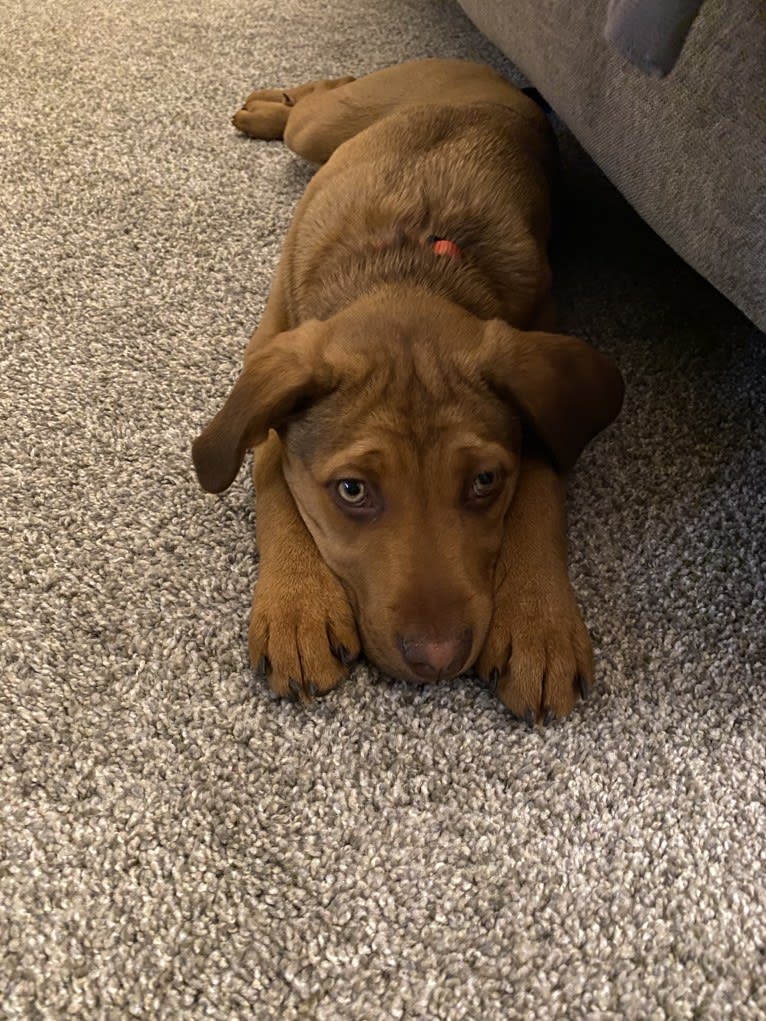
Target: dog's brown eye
352, 491
484, 484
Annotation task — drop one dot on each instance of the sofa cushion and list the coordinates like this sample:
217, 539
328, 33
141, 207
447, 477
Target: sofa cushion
687, 150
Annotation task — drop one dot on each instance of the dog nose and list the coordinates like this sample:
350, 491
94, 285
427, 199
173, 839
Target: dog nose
434, 658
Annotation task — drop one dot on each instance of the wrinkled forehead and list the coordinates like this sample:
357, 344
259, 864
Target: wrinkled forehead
411, 420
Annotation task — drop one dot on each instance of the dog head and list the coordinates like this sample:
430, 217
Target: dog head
401, 421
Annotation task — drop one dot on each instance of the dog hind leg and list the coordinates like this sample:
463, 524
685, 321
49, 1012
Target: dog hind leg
265, 112
314, 119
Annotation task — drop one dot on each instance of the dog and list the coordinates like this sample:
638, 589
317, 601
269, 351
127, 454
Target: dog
412, 410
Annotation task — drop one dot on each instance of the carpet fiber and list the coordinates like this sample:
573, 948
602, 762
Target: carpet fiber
177, 843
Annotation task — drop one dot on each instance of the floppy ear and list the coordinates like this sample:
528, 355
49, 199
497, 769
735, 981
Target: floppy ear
287, 371
566, 389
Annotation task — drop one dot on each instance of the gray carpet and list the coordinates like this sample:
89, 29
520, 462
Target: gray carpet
177, 843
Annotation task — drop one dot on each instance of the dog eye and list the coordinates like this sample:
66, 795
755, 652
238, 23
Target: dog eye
352, 492
484, 484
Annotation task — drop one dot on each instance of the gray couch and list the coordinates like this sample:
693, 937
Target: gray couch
668, 98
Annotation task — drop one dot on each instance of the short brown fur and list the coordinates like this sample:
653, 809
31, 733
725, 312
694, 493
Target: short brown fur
412, 411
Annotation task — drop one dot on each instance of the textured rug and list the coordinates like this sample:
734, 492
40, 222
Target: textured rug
176, 843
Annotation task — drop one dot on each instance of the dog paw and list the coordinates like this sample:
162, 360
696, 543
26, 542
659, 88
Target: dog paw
264, 112
538, 654
262, 120
303, 637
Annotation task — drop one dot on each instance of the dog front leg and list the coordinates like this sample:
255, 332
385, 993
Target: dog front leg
538, 651
302, 629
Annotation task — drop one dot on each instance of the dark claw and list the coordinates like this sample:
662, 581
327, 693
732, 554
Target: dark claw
263, 666
294, 686
341, 653
313, 689
584, 685
494, 677
529, 718
549, 717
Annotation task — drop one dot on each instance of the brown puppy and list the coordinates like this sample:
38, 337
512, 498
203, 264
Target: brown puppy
411, 412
